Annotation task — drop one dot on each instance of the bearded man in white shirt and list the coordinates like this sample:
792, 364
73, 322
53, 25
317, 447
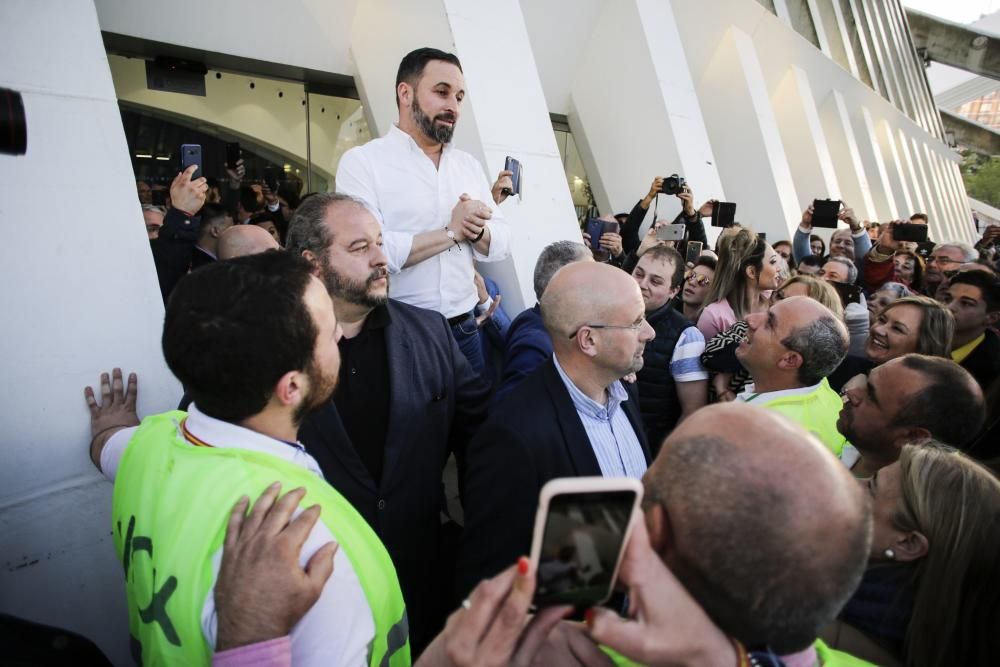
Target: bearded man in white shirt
433, 200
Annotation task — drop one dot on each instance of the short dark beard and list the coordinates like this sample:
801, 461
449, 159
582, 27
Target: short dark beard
320, 392
430, 128
352, 291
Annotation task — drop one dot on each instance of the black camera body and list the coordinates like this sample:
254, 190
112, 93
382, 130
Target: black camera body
672, 185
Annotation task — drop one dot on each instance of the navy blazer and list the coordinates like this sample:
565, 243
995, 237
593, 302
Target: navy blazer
436, 403
533, 435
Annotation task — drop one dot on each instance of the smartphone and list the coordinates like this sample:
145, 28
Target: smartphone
693, 252
723, 214
909, 232
233, 154
191, 154
825, 212
581, 529
671, 233
848, 293
271, 179
594, 228
513, 166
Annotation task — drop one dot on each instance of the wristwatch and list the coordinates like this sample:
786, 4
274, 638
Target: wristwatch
451, 235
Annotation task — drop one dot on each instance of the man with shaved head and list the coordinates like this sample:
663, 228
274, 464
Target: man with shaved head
789, 350
244, 240
572, 417
770, 546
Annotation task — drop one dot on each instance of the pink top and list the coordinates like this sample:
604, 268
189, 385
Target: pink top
716, 318
272, 653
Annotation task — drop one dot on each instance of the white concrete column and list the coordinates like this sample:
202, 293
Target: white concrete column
894, 166
746, 138
504, 112
634, 111
82, 298
802, 135
918, 202
846, 155
871, 156
933, 210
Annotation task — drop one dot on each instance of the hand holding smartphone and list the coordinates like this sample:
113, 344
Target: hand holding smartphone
514, 167
581, 529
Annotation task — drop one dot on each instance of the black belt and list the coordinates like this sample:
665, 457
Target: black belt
458, 319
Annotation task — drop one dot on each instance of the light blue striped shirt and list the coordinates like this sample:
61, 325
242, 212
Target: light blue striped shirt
612, 438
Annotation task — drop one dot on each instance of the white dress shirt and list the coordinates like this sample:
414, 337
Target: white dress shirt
408, 195
339, 627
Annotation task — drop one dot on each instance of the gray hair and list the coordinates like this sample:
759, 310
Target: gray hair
969, 253
156, 209
852, 271
307, 230
822, 344
553, 257
898, 289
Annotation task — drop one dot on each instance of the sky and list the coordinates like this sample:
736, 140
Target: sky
959, 11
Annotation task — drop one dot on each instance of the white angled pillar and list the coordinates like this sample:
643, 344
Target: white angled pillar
634, 109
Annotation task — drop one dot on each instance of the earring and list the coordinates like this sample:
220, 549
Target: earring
890, 554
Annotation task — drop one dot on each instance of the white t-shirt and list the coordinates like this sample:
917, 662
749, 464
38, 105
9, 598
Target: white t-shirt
401, 187
339, 627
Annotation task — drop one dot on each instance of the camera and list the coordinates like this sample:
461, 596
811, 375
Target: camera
672, 185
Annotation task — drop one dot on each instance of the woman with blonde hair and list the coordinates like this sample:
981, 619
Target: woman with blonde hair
747, 269
931, 594
911, 324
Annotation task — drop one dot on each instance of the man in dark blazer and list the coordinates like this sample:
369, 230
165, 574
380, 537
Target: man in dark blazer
406, 399
572, 417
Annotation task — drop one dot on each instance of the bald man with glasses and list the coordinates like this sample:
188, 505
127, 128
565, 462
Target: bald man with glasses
572, 417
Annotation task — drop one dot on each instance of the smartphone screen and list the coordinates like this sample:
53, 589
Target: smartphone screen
191, 154
910, 232
581, 547
723, 214
825, 212
693, 252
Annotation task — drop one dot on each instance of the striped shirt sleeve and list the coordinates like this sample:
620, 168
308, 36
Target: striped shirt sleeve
685, 365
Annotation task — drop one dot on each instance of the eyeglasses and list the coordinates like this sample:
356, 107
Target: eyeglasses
941, 259
633, 327
699, 279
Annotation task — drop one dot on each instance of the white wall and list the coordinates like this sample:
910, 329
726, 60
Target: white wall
81, 297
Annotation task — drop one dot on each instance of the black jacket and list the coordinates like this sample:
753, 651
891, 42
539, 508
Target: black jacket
436, 403
658, 400
984, 361
533, 435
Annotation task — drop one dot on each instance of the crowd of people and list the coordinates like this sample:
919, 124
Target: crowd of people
816, 429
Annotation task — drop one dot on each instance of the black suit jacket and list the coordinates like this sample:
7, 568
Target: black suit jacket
436, 403
533, 435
